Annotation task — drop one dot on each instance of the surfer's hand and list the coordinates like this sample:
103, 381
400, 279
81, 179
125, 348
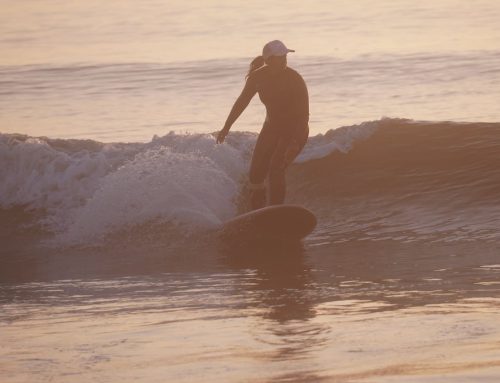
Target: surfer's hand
222, 135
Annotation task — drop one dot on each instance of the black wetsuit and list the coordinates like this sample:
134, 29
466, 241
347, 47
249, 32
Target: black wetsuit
284, 93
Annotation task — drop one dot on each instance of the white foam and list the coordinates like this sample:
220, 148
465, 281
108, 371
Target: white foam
160, 185
340, 139
35, 174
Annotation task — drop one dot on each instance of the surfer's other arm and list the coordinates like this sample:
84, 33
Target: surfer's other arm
239, 106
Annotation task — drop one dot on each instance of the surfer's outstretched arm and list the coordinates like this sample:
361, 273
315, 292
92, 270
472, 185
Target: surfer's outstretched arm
239, 106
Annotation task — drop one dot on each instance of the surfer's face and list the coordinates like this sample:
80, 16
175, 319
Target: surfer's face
277, 61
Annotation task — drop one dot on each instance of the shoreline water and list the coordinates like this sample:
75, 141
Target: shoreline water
359, 312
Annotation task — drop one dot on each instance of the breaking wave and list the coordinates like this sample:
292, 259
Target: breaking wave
390, 179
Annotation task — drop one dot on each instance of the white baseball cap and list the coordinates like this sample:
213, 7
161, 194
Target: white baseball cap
275, 48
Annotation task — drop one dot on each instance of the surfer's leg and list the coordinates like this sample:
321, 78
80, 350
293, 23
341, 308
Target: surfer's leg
259, 167
277, 182
258, 197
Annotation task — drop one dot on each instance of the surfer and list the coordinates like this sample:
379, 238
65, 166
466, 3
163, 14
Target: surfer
284, 93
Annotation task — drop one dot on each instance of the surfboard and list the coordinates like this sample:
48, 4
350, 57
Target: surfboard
278, 222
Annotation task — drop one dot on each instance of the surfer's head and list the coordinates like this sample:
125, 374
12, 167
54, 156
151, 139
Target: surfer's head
275, 48
274, 53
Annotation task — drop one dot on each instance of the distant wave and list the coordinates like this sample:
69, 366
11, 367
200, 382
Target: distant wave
388, 178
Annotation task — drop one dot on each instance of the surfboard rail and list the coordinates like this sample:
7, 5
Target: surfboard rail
280, 222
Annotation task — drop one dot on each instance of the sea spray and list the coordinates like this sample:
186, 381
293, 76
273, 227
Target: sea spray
158, 185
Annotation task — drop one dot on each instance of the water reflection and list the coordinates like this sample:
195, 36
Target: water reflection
283, 279
285, 292
292, 313
282, 283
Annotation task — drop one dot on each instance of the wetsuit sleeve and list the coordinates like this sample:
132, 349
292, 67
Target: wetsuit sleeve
242, 102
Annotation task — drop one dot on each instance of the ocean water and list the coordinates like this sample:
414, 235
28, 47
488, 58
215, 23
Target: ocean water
112, 192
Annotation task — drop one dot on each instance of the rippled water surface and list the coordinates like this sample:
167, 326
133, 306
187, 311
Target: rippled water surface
364, 311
